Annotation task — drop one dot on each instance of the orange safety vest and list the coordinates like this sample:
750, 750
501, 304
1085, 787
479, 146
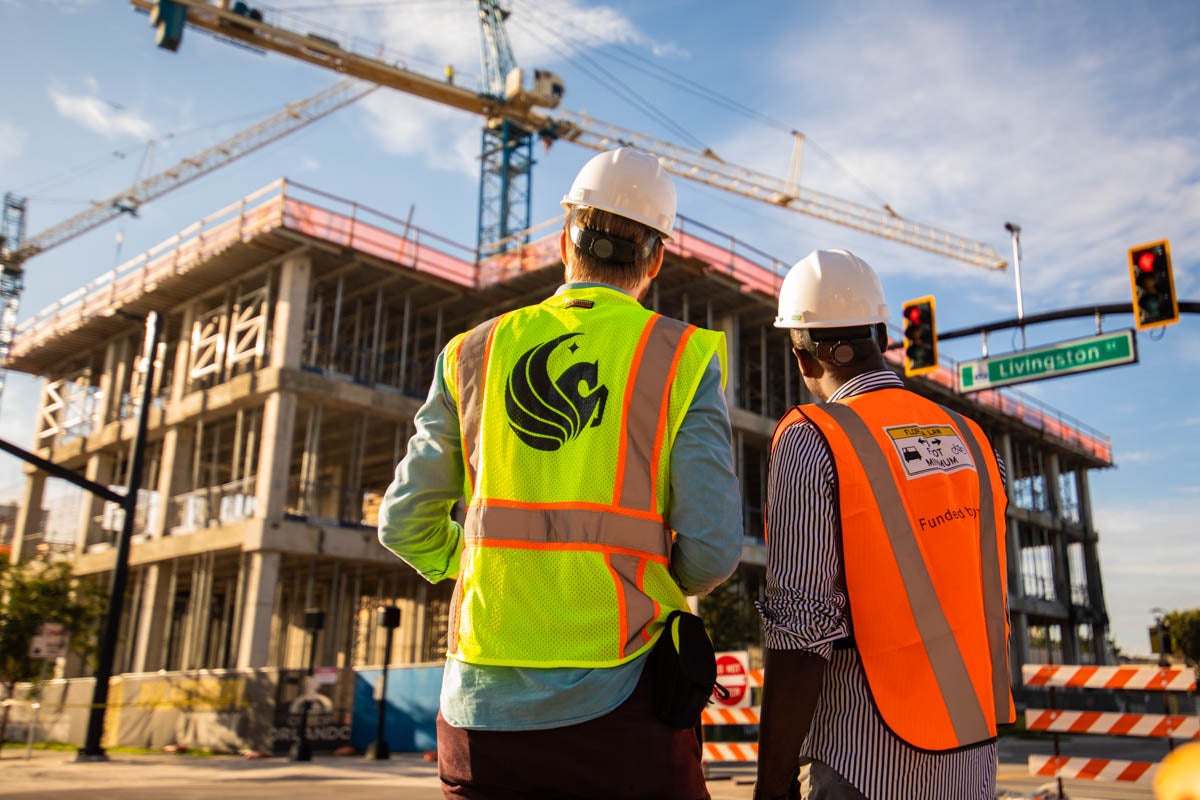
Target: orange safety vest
922, 505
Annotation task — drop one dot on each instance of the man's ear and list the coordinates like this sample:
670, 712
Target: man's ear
660, 250
562, 245
810, 365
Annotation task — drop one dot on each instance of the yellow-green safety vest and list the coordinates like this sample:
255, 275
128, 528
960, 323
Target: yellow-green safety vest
568, 411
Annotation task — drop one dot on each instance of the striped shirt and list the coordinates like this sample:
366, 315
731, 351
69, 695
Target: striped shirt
805, 609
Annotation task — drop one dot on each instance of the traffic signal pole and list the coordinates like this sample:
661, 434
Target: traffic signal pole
91, 750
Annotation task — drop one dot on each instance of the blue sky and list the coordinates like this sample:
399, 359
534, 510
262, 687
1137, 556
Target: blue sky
1076, 120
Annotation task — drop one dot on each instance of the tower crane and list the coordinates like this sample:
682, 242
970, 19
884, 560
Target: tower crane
516, 114
16, 249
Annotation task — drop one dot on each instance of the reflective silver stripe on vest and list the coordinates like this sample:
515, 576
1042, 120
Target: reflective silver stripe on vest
642, 414
993, 589
567, 525
471, 374
949, 667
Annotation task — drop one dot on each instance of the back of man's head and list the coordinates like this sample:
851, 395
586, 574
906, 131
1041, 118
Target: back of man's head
833, 304
620, 210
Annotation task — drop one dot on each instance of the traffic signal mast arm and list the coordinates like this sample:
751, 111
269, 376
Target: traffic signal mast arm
519, 108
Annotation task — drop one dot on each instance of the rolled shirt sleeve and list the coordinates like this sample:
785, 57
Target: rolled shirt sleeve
415, 519
705, 505
805, 601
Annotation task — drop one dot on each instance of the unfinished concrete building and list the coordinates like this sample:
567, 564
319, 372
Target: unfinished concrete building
300, 332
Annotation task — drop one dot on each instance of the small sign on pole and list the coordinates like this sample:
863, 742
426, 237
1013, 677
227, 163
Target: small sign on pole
50, 641
733, 672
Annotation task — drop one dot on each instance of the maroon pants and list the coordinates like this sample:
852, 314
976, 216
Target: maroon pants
625, 754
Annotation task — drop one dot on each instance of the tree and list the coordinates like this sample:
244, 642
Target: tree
730, 617
1183, 630
38, 592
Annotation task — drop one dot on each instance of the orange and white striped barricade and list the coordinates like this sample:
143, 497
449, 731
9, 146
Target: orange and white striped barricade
1135, 678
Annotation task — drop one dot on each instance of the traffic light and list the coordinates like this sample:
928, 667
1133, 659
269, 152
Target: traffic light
168, 18
920, 337
1154, 302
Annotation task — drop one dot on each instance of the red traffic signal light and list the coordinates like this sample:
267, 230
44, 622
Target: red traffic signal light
920, 337
1153, 285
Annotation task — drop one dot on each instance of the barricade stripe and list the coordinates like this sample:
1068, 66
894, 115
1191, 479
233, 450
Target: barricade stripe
1084, 768
1085, 720
1148, 678
1113, 724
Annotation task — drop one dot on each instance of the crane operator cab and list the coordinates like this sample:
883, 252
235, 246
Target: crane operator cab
547, 90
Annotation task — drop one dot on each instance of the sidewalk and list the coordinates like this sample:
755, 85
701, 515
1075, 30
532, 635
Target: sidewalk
50, 773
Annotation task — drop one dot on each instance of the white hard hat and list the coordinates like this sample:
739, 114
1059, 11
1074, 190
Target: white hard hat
628, 183
830, 289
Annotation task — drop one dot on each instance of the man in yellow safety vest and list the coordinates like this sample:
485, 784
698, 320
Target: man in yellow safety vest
884, 621
591, 440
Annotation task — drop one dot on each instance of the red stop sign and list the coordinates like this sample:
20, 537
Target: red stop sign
731, 674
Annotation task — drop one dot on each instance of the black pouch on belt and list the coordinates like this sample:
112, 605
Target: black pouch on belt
685, 671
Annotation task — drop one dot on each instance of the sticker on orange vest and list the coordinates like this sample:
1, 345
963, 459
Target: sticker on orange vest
929, 448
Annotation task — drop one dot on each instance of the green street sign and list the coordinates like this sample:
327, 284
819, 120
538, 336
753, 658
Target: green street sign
1064, 358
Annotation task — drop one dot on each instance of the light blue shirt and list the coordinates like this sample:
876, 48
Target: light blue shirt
704, 509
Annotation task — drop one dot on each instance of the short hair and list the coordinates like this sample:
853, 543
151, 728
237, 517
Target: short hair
583, 266
868, 342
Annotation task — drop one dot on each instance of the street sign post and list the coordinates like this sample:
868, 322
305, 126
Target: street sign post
1052, 361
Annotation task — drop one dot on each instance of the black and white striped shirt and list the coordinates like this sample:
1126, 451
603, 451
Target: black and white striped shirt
805, 609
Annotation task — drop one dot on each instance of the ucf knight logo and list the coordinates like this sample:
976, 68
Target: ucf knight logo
545, 412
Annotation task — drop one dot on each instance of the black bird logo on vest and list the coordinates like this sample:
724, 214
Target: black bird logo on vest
546, 413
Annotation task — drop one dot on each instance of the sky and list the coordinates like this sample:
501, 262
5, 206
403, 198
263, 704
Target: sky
1077, 120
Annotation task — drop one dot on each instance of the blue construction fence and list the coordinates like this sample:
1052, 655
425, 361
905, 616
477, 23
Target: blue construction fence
410, 708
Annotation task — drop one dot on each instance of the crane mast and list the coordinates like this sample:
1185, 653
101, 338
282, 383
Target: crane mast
517, 111
16, 249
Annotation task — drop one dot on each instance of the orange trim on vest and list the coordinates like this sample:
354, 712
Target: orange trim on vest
910, 532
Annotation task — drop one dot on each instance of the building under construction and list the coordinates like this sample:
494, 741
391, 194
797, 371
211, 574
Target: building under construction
299, 335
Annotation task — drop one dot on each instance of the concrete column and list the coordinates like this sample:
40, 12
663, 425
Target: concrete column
1091, 566
254, 646
1053, 495
1012, 545
727, 325
104, 413
183, 355
287, 337
174, 475
29, 515
118, 379
275, 452
1018, 646
99, 469
152, 619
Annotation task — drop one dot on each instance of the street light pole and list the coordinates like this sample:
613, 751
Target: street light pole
92, 751
314, 621
1015, 231
389, 618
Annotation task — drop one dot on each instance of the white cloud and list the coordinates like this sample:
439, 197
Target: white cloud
427, 37
309, 164
1149, 558
951, 123
107, 119
12, 140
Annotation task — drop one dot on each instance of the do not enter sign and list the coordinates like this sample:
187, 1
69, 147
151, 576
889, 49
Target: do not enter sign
733, 672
